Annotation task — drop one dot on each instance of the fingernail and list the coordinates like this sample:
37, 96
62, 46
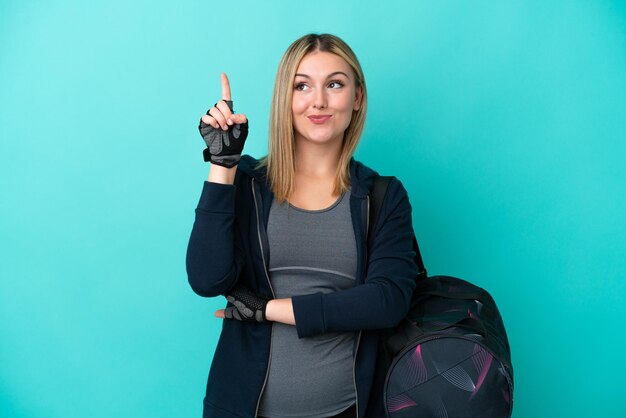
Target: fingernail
225, 127
230, 122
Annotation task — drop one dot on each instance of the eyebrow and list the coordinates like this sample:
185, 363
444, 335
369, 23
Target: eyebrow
328, 76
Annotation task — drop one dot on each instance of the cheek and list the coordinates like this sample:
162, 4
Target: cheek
345, 105
298, 105
297, 111
345, 102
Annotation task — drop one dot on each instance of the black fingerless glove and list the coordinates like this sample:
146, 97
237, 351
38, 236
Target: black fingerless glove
248, 306
224, 147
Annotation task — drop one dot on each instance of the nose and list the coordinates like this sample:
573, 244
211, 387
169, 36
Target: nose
319, 100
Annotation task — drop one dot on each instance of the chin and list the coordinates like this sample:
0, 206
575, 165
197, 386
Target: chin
319, 139
322, 135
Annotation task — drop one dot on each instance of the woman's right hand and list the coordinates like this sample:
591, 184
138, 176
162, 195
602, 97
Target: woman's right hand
223, 131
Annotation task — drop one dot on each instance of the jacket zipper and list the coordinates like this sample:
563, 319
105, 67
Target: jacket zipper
356, 352
358, 340
258, 224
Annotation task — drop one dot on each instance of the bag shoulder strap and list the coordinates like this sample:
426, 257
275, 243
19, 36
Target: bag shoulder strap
377, 196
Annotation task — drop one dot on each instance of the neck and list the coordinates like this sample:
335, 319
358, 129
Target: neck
317, 160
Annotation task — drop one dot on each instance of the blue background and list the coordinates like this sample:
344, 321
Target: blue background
506, 121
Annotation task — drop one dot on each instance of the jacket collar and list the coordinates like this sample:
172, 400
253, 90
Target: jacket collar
361, 176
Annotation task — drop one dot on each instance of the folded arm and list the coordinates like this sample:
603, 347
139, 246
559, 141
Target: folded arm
382, 301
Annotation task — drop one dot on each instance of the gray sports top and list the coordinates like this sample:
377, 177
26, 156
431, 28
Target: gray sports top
310, 251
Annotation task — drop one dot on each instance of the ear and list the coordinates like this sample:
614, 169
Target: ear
358, 99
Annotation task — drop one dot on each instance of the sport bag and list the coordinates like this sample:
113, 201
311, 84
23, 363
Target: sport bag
450, 356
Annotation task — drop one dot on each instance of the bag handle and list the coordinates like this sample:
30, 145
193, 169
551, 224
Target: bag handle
441, 286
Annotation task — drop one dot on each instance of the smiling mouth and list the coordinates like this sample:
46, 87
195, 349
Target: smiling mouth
319, 119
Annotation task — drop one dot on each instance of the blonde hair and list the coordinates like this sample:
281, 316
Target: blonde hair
280, 160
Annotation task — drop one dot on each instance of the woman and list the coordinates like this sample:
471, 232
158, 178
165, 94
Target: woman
284, 238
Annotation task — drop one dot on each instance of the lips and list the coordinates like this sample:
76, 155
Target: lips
319, 119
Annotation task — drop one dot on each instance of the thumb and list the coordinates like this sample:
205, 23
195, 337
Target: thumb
239, 118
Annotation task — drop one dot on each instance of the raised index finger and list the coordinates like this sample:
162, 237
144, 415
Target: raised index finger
225, 87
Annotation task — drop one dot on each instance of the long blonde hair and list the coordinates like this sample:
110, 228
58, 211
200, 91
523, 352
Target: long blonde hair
280, 160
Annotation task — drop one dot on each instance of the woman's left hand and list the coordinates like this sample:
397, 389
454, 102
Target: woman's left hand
247, 306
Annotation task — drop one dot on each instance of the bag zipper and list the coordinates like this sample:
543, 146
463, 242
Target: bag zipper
258, 224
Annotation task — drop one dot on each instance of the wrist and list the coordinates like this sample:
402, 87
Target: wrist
221, 174
270, 310
280, 310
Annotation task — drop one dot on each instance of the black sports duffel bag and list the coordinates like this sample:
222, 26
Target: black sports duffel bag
450, 356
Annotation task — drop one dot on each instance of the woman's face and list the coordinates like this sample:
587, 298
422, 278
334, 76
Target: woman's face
324, 97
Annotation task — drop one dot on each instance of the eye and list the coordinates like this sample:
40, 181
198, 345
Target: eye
338, 84
300, 86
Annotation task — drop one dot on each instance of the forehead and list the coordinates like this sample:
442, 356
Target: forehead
321, 64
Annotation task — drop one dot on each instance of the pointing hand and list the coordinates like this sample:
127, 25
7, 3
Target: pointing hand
223, 131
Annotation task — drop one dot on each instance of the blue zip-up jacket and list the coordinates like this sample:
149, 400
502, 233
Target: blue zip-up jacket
229, 244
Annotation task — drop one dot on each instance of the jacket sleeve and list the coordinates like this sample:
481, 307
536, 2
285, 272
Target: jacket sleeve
214, 259
385, 297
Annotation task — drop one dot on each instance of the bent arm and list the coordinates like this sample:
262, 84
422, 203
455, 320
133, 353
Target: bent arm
385, 297
214, 260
